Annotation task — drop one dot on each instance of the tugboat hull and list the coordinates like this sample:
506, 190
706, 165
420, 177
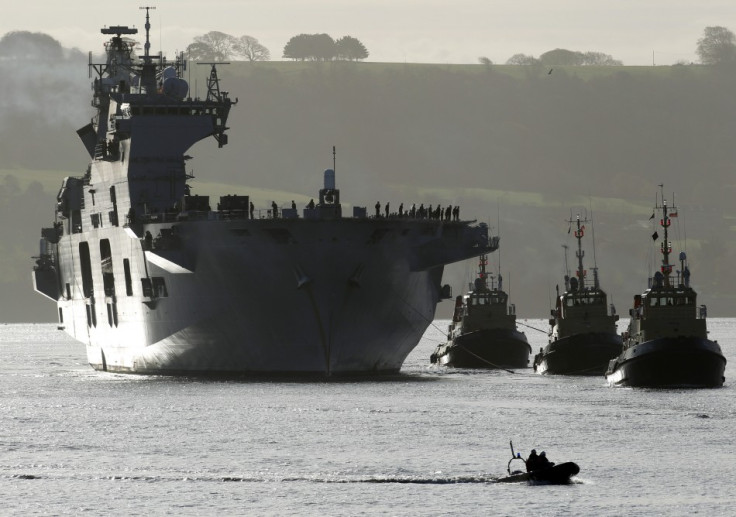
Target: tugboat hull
681, 362
486, 348
579, 354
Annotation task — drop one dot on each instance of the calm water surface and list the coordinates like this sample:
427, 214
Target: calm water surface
430, 441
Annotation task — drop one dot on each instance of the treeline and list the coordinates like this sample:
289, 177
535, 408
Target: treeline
321, 47
564, 57
218, 46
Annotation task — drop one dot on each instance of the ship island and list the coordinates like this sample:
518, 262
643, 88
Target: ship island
155, 280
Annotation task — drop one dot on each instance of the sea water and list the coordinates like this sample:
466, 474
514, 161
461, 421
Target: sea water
430, 441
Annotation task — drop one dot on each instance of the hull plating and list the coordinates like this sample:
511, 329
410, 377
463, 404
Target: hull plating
488, 348
257, 297
681, 362
580, 354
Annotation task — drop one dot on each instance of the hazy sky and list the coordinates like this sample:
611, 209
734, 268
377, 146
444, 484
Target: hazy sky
436, 31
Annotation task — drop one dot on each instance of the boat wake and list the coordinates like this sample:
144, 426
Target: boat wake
405, 480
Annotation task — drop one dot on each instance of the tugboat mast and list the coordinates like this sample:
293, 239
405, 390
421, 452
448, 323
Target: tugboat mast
567, 269
666, 246
580, 253
482, 263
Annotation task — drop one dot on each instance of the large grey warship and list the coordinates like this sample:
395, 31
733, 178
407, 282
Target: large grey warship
155, 281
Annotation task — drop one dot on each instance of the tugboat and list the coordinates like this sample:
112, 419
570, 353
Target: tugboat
155, 280
582, 336
666, 344
483, 331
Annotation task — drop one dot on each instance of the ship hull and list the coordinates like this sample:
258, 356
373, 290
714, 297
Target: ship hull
673, 362
264, 297
579, 354
486, 348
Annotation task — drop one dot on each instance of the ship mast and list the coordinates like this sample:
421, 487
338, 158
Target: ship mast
666, 246
482, 262
567, 269
579, 253
148, 71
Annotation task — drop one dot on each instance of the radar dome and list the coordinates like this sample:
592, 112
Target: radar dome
176, 87
330, 179
169, 72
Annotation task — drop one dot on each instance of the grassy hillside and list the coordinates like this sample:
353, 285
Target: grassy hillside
517, 147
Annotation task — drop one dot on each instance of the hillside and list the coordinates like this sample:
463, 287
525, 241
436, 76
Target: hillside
517, 147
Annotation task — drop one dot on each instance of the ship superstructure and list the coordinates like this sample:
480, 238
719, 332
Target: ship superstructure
156, 280
582, 335
666, 344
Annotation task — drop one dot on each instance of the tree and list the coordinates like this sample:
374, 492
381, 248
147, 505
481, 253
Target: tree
315, 47
561, 57
218, 46
321, 47
564, 57
213, 46
717, 46
30, 45
297, 47
249, 48
350, 48
600, 59
522, 59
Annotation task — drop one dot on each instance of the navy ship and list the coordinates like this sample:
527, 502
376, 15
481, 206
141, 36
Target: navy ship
582, 336
666, 344
154, 280
483, 331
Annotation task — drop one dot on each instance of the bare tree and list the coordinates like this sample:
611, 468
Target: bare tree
522, 59
249, 48
213, 46
601, 59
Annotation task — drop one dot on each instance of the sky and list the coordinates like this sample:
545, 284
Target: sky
637, 32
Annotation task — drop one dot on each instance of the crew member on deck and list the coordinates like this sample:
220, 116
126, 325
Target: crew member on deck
543, 462
532, 462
